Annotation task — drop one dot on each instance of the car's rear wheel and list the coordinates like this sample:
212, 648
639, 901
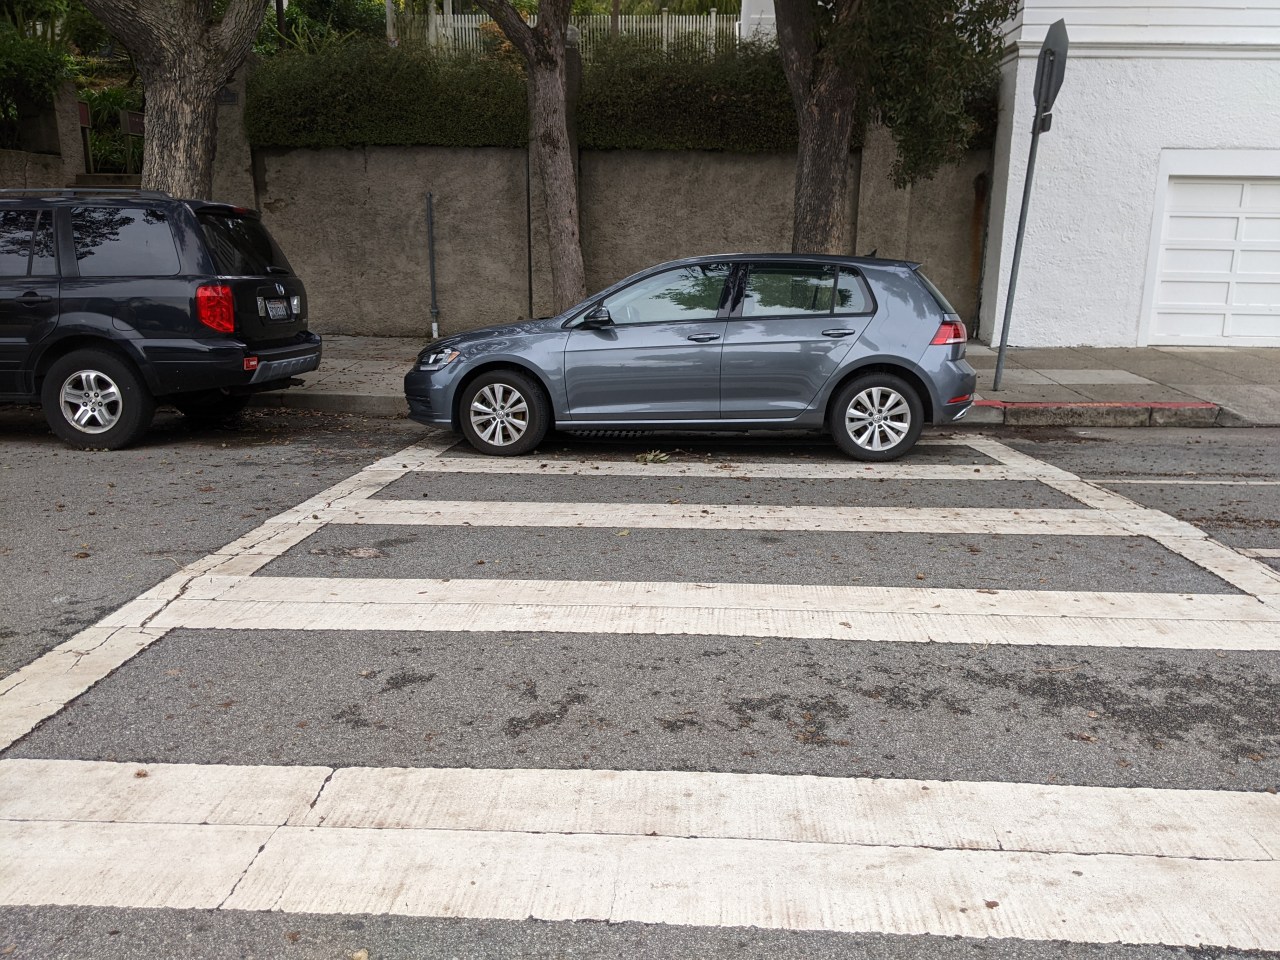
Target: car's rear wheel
209, 407
876, 417
504, 413
95, 400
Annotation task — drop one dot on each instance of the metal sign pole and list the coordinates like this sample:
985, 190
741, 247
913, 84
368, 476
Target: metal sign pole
1049, 73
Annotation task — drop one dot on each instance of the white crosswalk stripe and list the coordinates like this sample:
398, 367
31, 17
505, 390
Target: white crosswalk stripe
973, 859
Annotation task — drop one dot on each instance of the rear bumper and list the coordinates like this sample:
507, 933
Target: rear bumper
190, 365
955, 382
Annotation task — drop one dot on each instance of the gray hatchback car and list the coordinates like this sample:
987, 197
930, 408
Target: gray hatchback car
867, 349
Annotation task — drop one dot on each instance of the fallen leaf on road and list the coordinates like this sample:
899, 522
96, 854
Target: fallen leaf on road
80, 556
992, 904
624, 533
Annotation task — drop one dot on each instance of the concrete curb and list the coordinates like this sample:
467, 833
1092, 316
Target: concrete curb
1093, 414
362, 404
983, 413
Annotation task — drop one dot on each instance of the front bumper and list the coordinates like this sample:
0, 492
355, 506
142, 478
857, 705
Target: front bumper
430, 396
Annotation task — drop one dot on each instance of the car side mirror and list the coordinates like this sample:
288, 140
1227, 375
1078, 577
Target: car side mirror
597, 318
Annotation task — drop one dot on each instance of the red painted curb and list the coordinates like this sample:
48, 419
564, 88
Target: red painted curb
1091, 404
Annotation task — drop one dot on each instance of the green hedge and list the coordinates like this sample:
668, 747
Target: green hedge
638, 99
368, 94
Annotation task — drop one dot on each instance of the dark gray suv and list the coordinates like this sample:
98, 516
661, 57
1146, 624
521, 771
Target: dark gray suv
110, 304
867, 349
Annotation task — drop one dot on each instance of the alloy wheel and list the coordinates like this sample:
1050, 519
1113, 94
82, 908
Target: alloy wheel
878, 418
91, 401
499, 414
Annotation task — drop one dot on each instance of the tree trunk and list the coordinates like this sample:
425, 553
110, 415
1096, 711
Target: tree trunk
821, 222
183, 59
550, 148
553, 165
181, 131
824, 91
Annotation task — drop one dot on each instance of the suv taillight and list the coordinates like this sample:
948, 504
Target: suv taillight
950, 331
216, 307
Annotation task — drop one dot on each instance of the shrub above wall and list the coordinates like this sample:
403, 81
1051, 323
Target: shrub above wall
368, 94
639, 99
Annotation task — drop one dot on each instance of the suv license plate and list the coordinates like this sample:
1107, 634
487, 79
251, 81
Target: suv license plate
277, 310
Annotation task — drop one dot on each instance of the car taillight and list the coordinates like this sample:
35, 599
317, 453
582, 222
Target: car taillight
216, 307
950, 331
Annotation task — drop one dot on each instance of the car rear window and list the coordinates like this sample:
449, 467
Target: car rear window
123, 242
943, 302
241, 246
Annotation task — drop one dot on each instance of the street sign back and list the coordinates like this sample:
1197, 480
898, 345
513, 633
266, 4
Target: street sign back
1052, 67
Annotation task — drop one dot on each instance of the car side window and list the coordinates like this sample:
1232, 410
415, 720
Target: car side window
789, 290
16, 229
803, 290
123, 242
694, 292
852, 295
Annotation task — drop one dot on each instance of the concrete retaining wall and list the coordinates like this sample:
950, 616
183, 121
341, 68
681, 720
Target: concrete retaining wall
354, 223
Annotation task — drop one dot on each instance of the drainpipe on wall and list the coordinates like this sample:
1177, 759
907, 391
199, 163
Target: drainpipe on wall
431, 260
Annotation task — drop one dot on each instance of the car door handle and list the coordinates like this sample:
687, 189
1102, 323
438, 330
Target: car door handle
838, 333
703, 337
31, 298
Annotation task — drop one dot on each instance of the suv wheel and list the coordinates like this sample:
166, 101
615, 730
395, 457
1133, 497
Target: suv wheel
94, 400
504, 413
876, 417
211, 407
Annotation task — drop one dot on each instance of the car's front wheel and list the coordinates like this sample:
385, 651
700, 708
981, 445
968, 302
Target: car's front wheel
876, 417
92, 399
504, 413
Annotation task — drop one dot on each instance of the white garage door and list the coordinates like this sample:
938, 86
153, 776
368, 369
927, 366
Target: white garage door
1219, 272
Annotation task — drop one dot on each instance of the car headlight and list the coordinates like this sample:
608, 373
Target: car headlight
437, 359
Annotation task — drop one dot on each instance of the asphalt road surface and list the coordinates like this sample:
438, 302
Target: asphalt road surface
314, 685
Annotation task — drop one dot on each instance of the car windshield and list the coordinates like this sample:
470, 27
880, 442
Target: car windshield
241, 245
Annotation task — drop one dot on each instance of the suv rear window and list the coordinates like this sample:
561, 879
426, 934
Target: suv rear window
123, 242
241, 246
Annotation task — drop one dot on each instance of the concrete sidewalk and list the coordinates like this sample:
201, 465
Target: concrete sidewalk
1073, 386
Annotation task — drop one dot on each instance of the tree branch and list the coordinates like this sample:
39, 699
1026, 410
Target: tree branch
513, 27
797, 44
240, 23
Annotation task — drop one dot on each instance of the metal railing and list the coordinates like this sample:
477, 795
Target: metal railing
468, 33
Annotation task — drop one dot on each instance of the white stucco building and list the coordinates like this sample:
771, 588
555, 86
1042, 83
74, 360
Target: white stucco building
1155, 213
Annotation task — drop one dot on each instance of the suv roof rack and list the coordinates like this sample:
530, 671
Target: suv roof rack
83, 191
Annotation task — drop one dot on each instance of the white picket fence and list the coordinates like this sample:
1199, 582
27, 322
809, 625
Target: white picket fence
461, 33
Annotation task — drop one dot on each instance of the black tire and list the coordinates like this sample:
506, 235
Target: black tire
210, 406
504, 413
876, 418
94, 400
